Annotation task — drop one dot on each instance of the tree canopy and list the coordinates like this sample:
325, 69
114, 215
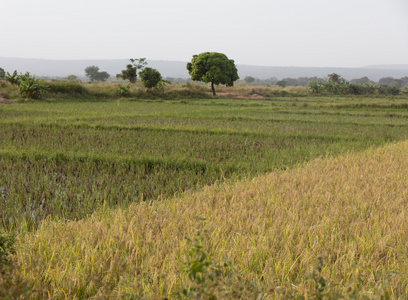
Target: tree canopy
249, 79
214, 68
150, 78
94, 75
335, 78
130, 73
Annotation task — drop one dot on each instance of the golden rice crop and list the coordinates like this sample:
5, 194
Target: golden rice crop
350, 210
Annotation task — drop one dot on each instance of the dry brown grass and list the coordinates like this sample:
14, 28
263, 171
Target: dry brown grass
351, 210
250, 91
7, 91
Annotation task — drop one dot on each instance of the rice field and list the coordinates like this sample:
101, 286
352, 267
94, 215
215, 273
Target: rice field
67, 159
102, 196
333, 228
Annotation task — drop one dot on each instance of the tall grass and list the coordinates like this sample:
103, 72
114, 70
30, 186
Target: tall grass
67, 87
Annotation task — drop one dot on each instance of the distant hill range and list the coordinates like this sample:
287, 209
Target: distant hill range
177, 69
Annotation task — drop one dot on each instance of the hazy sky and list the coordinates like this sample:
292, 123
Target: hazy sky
322, 33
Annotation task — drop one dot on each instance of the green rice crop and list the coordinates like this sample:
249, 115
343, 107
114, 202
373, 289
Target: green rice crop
65, 160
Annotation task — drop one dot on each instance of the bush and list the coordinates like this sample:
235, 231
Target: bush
393, 90
12, 78
315, 87
150, 78
347, 88
123, 90
30, 87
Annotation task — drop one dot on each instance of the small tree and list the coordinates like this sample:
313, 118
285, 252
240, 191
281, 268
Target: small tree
213, 67
281, 83
2, 73
130, 73
362, 80
71, 78
150, 78
335, 78
249, 79
94, 75
102, 76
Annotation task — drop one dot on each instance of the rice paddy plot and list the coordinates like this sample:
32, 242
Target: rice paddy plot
65, 160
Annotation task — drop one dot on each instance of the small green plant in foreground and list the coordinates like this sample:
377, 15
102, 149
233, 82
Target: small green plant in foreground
223, 281
213, 281
6, 246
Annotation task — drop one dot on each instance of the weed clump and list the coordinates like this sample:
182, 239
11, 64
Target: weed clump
208, 280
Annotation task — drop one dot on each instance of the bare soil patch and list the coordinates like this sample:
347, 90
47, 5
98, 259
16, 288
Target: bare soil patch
5, 101
240, 96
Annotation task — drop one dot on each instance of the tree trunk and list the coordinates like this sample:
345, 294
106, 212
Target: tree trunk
212, 88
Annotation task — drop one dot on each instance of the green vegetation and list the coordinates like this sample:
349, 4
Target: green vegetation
260, 238
150, 78
97, 197
130, 73
151, 87
67, 159
27, 85
339, 86
2, 73
214, 68
94, 75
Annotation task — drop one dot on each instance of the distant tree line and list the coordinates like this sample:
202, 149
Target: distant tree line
216, 68
305, 81
337, 85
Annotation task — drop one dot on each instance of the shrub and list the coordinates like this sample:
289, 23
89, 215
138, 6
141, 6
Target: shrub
393, 90
12, 78
382, 89
315, 87
123, 90
150, 78
30, 87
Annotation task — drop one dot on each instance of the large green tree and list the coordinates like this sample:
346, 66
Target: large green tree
213, 67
